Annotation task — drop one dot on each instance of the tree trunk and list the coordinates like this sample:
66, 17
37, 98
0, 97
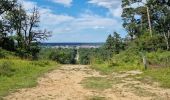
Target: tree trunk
168, 48
144, 61
167, 40
149, 21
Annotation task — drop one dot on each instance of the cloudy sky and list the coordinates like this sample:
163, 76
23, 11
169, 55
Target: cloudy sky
79, 20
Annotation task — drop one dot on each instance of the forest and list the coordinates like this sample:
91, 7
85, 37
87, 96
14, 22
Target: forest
146, 46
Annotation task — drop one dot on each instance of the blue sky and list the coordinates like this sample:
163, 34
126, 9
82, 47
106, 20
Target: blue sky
78, 20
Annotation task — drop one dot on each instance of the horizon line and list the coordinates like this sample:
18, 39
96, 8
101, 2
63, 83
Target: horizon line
72, 42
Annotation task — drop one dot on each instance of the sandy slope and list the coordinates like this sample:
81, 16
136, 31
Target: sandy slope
64, 84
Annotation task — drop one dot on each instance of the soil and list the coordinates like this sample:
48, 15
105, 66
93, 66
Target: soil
65, 84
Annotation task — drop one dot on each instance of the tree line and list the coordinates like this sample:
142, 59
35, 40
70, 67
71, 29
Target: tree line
149, 17
19, 29
147, 23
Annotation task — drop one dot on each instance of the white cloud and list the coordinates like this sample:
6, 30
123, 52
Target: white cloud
66, 3
86, 22
116, 12
62, 23
114, 6
91, 21
98, 27
49, 18
27, 4
105, 3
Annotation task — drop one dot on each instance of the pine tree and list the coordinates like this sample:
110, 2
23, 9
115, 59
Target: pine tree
109, 45
117, 43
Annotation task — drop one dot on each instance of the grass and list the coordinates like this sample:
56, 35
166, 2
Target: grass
98, 83
159, 59
103, 68
160, 72
97, 98
142, 92
160, 75
139, 91
107, 69
25, 74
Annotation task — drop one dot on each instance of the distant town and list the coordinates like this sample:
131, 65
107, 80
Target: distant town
71, 45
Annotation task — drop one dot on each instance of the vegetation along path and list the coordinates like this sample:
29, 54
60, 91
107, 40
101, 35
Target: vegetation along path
79, 82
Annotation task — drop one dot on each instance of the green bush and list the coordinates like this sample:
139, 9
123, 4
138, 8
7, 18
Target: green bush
7, 43
63, 56
159, 58
84, 57
23, 53
5, 54
147, 43
129, 56
93, 55
2, 54
6, 69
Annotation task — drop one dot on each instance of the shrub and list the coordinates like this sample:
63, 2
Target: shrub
159, 59
23, 53
129, 56
7, 43
5, 54
40, 63
2, 54
83, 56
63, 56
6, 69
93, 55
148, 43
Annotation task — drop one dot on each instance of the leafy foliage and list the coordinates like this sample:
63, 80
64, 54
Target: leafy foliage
19, 31
63, 56
88, 56
153, 19
6, 54
114, 44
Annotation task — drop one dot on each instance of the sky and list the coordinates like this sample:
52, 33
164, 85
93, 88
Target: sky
78, 20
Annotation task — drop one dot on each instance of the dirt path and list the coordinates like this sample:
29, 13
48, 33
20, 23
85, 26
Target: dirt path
64, 84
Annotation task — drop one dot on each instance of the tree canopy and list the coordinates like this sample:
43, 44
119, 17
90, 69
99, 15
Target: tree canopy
19, 31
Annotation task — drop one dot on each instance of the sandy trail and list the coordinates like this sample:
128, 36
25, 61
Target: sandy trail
64, 84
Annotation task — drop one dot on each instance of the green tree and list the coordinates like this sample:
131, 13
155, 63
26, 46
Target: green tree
114, 44
31, 34
109, 45
23, 26
152, 14
7, 5
117, 44
16, 19
135, 26
6, 41
162, 18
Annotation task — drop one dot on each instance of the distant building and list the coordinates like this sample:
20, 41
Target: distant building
72, 45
